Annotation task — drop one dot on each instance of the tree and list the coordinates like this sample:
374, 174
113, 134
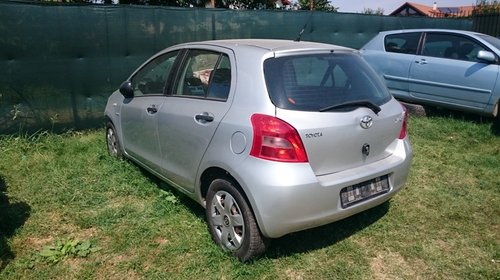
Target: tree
237, 4
317, 5
369, 11
174, 3
246, 4
487, 7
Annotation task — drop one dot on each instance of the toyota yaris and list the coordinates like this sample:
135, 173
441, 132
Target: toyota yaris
269, 136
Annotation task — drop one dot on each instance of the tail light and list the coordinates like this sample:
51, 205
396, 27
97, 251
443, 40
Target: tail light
274, 139
402, 133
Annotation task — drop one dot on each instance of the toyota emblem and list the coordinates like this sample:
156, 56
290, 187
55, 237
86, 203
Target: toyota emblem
366, 122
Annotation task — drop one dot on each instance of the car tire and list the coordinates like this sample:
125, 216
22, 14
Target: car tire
231, 221
112, 141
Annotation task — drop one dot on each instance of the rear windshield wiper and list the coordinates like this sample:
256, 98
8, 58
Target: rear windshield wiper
354, 103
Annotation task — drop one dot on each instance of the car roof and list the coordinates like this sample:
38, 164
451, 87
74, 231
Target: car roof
274, 45
431, 30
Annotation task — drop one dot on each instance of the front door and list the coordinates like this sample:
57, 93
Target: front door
448, 72
139, 115
192, 113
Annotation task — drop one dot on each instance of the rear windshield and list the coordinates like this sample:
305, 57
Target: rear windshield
316, 81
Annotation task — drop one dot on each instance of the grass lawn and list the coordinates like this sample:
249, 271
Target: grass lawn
69, 211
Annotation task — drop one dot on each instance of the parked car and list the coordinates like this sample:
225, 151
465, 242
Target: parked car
270, 136
453, 69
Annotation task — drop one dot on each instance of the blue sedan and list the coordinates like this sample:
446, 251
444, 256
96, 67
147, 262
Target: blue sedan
454, 69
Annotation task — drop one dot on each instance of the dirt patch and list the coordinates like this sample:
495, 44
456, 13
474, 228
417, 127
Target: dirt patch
391, 265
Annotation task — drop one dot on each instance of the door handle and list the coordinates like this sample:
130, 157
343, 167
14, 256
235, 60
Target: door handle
205, 117
152, 109
422, 61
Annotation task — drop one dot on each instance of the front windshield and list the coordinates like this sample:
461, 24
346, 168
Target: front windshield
316, 81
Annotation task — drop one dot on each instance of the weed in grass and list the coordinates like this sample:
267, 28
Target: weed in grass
68, 248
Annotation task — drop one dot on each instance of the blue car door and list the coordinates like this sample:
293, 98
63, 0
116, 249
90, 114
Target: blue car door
393, 57
448, 72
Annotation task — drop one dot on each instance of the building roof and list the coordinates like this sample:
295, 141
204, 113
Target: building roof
424, 10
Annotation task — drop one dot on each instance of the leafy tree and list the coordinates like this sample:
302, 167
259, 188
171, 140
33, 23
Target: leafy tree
318, 5
238, 4
174, 3
369, 11
246, 4
487, 7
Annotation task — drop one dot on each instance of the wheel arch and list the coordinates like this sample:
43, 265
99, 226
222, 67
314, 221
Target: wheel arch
213, 173
107, 119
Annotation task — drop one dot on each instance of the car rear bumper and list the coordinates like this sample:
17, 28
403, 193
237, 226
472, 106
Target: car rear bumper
289, 197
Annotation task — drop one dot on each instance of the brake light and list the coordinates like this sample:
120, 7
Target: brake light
402, 133
274, 139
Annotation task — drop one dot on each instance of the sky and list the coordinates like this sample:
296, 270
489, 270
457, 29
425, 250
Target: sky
353, 6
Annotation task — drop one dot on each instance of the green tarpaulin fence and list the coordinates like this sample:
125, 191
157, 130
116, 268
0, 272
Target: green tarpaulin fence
59, 63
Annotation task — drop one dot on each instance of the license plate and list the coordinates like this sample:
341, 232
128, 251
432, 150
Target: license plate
363, 191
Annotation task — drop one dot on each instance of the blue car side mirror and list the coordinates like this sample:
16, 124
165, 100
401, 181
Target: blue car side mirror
486, 56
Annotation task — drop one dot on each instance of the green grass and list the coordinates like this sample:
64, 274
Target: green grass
69, 211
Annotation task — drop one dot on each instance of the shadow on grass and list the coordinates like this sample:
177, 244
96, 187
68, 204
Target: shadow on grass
303, 241
12, 217
320, 237
430, 111
183, 198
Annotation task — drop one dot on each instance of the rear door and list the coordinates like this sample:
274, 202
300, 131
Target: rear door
393, 58
139, 115
344, 114
448, 72
192, 112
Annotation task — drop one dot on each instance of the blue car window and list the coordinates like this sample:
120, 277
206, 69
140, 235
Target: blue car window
402, 43
451, 46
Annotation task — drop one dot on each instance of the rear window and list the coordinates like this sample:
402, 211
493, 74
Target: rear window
313, 82
402, 42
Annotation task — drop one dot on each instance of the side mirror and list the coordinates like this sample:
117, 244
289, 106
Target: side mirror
486, 56
126, 89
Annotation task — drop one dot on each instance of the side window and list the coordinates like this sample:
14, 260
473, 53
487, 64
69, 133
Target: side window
152, 78
196, 73
451, 46
220, 80
402, 43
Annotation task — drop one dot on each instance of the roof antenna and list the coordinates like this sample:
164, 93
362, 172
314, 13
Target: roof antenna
304, 28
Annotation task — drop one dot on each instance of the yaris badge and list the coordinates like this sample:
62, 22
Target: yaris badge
366, 122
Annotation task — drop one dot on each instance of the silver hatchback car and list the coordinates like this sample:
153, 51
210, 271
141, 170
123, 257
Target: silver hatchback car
270, 136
